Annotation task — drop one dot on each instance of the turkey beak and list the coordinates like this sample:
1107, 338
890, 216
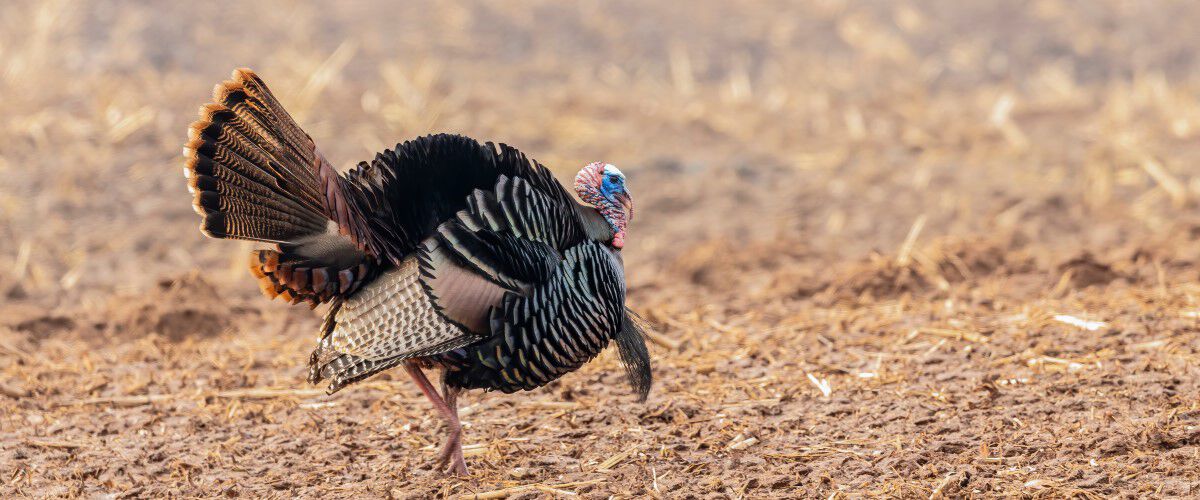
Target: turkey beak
626, 202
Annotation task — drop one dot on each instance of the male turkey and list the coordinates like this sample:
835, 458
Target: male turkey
441, 253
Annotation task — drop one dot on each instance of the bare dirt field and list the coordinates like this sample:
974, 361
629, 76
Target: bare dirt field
888, 249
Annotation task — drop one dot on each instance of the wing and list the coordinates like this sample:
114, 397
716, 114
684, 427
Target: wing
389, 320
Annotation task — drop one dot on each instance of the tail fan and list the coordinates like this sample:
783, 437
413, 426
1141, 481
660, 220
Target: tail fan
255, 175
253, 172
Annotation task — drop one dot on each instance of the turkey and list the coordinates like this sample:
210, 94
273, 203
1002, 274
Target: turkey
443, 253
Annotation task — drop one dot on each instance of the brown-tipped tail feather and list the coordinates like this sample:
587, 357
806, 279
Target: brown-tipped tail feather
256, 175
297, 280
251, 169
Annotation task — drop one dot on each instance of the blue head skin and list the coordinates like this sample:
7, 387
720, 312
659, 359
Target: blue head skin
612, 187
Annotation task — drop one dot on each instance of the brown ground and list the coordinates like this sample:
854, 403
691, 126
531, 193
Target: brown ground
907, 204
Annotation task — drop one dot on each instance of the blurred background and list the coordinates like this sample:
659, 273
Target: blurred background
900, 248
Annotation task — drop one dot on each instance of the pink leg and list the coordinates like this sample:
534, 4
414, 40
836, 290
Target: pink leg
453, 448
452, 453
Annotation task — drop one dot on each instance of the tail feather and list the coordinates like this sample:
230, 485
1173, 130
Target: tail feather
256, 94
256, 175
252, 169
295, 279
249, 227
240, 202
260, 118
208, 180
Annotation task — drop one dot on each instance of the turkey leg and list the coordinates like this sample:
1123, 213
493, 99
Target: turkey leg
451, 456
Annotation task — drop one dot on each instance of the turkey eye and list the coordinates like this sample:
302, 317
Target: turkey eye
613, 179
